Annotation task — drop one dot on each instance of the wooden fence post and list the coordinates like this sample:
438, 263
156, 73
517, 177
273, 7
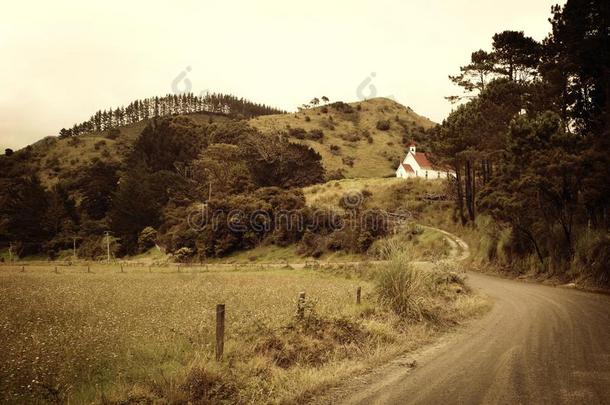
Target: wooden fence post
56, 270
220, 331
301, 305
121, 268
23, 269
358, 294
88, 269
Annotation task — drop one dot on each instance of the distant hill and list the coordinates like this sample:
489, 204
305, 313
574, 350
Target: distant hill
361, 139
351, 138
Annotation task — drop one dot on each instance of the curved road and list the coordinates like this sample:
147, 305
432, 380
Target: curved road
537, 345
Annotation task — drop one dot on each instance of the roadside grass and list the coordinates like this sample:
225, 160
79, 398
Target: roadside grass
143, 337
420, 243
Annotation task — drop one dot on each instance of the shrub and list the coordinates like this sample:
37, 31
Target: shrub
184, 254
298, 133
147, 238
383, 125
98, 145
342, 107
8, 152
348, 161
315, 134
335, 149
203, 386
307, 118
350, 137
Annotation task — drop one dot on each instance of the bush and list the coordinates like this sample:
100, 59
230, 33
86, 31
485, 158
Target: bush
147, 239
348, 161
315, 134
350, 137
183, 255
99, 144
335, 149
307, 118
383, 125
342, 107
298, 133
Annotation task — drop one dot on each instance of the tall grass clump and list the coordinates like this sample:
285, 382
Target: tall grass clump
435, 293
406, 289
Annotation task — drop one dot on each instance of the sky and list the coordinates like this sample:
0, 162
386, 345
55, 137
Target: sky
63, 60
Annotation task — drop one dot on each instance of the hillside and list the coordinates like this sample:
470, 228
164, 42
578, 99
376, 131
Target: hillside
352, 140
54, 157
351, 145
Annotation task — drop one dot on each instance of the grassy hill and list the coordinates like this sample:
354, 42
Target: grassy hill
53, 157
351, 145
355, 140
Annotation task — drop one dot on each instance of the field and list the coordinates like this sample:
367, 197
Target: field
136, 336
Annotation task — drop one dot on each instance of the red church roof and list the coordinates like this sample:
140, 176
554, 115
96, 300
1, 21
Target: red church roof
407, 167
422, 160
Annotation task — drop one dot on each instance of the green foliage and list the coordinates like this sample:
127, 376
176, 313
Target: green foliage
532, 154
147, 239
23, 210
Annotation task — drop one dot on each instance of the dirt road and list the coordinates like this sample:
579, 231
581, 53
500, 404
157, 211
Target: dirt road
538, 345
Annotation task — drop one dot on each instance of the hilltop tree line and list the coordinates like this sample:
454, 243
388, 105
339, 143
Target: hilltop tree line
530, 144
171, 104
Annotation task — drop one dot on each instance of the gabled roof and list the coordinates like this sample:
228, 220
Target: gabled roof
407, 167
422, 160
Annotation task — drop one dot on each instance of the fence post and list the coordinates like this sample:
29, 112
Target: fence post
23, 269
220, 330
358, 294
56, 270
301, 305
88, 269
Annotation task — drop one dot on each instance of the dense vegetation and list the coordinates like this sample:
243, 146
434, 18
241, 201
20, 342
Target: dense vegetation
530, 146
174, 166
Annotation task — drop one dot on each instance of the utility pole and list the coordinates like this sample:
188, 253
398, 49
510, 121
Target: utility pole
74, 247
10, 252
108, 245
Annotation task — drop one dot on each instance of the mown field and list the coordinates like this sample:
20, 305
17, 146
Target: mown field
139, 337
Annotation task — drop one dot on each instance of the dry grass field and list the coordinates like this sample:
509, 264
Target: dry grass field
140, 337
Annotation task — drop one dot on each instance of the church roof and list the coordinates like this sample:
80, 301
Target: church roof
422, 160
407, 167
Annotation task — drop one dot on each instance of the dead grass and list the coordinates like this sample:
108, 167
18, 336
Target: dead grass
348, 131
139, 337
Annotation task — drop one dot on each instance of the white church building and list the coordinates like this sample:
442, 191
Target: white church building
416, 164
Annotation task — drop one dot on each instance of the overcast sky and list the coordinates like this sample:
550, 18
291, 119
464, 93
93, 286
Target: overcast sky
64, 60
